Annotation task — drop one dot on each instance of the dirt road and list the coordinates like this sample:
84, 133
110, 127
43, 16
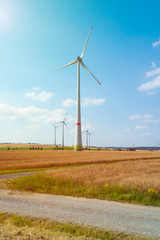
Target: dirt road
111, 215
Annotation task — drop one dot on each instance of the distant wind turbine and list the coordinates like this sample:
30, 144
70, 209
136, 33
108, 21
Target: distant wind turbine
78, 138
63, 124
89, 134
55, 127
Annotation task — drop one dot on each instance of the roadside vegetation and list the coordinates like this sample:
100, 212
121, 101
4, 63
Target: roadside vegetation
25, 228
134, 182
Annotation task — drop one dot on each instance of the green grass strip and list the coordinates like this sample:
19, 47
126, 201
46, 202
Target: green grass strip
71, 230
43, 184
35, 148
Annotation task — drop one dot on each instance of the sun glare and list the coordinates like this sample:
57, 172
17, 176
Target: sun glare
5, 15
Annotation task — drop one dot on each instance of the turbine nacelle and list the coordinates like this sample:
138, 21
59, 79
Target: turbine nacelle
79, 59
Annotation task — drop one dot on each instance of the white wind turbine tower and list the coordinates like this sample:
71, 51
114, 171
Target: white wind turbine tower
89, 134
55, 127
63, 123
78, 139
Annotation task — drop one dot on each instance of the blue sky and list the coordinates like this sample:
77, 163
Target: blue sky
123, 52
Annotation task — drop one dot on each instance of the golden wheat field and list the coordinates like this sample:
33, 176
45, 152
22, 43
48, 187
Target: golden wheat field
22, 159
141, 174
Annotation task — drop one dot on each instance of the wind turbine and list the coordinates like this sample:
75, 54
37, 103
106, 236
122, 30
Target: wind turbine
78, 138
87, 133
55, 127
63, 123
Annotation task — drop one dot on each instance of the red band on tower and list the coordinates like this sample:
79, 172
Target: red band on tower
78, 124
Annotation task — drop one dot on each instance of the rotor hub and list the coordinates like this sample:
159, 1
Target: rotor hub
79, 59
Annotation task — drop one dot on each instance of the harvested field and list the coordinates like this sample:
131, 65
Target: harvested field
142, 175
127, 181
10, 160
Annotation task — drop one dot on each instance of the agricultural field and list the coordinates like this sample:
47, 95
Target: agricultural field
129, 181
21, 159
121, 176
142, 175
132, 177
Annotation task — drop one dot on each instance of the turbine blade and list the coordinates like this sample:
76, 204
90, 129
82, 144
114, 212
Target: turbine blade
84, 49
53, 125
91, 133
60, 122
73, 62
66, 125
65, 117
86, 131
85, 67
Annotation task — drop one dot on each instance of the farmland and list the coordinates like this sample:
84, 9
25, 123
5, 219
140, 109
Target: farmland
126, 176
111, 175
21, 159
142, 175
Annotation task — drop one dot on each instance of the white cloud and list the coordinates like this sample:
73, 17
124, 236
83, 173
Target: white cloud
153, 64
85, 102
69, 102
88, 126
73, 130
134, 117
148, 116
152, 93
155, 44
139, 127
152, 73
138, 116
42, 96
128, 130
36, 88
70, 119
96, 101
146, 134
155, 83
151, 121
30, 113
121, 136
32, 127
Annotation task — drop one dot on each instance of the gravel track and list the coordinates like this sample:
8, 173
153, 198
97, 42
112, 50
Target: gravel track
15, 175
111, 215
123, 217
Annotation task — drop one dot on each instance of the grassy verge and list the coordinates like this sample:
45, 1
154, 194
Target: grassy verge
39, 169
3, 172
50, 185
16, 227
